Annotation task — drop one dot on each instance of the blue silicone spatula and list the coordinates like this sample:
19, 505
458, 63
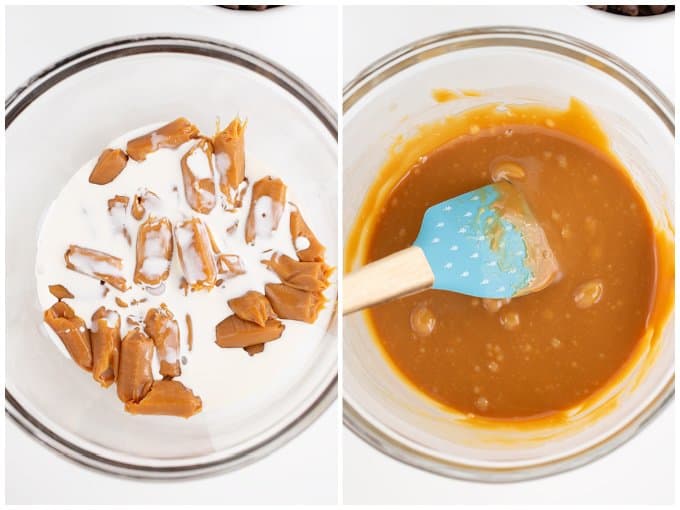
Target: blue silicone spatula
485, 243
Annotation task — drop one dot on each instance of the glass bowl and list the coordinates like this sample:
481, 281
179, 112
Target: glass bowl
390, 99
60, 119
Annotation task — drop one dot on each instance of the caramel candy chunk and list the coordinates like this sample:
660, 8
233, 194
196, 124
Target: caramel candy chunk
253, 307
145, 201
423, 320
154, 252
117, 209
230, 265
105, 335
134, 369
588, 294
110, 163
161, 326
232, 228
295, 304
60, 292
96, 264
230, 160
307, 246
235, 332
195, 254
190, 331
311, 276
72, 331
266, 208
252, 350
169, 398
197, 174
170, 136
507, 171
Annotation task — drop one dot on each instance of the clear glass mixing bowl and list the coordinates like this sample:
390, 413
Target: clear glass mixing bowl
60, 119
392, 97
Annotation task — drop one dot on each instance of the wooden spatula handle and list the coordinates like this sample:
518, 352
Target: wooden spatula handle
396, 275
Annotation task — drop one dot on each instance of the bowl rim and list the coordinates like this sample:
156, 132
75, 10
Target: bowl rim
551, 42
112, 49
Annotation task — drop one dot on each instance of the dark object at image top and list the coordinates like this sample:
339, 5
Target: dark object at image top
634, 10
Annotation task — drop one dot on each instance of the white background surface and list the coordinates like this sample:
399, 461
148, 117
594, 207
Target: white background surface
305, 470
641, 471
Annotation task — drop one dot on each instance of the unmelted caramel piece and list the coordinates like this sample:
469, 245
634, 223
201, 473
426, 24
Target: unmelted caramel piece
266, 208
190, 331
145, 201
230, 265
161, 326
230, 160
111, 162
105, 336
507, 171
422, 321
117, 210
252, 350
510, 320
197, 175
295, 304
195, 254
60, 292
232, 228
134, 369
170, 136
168, 398
493, 305
96, 264
307, 246
311, 276
154, 252
235, 332
120, 302
588, 294
253, 307
72, 331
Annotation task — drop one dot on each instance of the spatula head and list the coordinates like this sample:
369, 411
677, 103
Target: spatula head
487, 243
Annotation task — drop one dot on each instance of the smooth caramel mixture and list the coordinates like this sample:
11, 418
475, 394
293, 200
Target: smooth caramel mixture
540, 353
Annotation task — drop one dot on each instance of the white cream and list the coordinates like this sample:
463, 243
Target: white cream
155, 263
91, 266
199, 164
79, 215
222, 163
302, 243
